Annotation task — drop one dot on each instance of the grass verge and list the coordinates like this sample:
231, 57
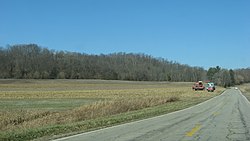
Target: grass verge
56, 131
245, 89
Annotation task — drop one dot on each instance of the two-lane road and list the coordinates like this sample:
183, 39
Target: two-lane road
223, 118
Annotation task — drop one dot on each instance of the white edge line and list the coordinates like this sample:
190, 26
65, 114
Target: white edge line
64, 138
244, 97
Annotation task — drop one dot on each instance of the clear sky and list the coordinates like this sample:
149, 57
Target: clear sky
203, 33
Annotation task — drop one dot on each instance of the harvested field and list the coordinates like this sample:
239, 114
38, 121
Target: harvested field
33, 109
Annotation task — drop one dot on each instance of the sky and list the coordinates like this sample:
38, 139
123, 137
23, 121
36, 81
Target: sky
204, 33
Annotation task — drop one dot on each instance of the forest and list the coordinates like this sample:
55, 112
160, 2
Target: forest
30, 61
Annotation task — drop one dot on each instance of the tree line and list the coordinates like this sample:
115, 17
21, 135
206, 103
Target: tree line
226, 78
30, 61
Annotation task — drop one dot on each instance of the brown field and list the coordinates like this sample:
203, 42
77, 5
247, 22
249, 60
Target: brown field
31, 109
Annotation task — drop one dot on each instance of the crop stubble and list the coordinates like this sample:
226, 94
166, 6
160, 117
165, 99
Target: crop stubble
33, 104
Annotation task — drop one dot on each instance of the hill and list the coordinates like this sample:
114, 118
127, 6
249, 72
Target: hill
30, 61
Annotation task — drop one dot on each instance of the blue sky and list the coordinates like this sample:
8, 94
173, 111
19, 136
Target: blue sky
203, 33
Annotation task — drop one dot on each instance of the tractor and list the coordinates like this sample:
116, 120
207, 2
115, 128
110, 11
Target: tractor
210, 87
198, 86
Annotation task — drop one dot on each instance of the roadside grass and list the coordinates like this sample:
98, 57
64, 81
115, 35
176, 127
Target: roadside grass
245, 89
32, 109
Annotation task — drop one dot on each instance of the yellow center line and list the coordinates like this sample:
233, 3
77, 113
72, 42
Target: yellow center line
198, 127
215, 113
194, 130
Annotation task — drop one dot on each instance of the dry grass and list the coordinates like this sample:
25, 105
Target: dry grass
245, 89
44, 103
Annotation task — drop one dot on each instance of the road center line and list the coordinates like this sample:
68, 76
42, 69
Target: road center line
194, 130
215, 114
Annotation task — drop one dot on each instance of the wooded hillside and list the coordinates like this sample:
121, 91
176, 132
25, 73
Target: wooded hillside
33, 62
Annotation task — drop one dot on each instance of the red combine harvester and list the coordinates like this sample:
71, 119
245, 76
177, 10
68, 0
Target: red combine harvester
198, 86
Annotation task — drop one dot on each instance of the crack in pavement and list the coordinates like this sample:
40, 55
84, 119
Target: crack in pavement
238, 130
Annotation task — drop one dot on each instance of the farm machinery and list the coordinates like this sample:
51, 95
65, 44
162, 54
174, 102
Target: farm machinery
198, 86
210, 87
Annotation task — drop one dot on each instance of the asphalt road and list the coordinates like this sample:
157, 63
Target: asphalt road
223, 118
